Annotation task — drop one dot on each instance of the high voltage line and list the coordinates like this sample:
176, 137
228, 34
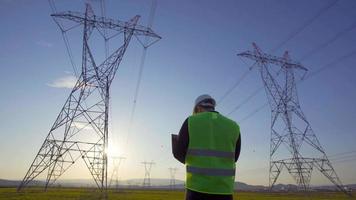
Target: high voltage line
236, 84
349, 156
345, 157
329, 65
245, 100
254, 112
292, 35
305, 24
343, 153
142, 64
103, 14
243, 76
331, 40
65, 39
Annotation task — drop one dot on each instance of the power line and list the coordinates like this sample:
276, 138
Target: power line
246, 100
142, 64
331, 40
343, 153
254, 112
291, 36
347, 160
103, 14
65, 38
305, 24
52, 5
243, 76
70, 54
344, 157
237, 83
329, 65
136, 92
152, 13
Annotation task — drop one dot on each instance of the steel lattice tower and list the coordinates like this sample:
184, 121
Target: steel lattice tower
289, 126
81, 128
147, 178
115, 173
172, 172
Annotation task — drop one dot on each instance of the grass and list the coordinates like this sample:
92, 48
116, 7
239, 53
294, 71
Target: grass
91, 194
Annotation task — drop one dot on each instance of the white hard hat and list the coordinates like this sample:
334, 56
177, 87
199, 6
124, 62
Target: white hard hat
201, 100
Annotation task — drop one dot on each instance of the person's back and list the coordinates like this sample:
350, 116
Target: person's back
209, 145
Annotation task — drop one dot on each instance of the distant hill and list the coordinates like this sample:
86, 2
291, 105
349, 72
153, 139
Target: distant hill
164, 184
8, 183
330, 187
247, 187
14, 183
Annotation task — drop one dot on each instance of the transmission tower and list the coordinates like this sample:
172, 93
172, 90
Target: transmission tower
172, 182
115, 172
81, 128
289, 126
147, 179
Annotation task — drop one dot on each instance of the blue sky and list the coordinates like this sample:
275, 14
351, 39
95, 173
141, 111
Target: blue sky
196, 55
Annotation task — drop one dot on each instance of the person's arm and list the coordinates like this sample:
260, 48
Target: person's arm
181, 146
238, 148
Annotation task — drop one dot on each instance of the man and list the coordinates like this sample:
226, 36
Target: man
209, 145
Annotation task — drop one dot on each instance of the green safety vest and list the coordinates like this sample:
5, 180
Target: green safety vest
210, 159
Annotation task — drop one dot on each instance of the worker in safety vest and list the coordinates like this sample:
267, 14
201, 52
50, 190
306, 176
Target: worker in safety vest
209, 145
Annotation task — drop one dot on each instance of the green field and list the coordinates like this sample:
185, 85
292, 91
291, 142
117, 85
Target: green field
75, 193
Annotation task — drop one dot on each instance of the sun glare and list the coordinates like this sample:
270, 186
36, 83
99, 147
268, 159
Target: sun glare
113, 150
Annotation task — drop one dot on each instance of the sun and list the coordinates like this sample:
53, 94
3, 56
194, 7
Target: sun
113, 150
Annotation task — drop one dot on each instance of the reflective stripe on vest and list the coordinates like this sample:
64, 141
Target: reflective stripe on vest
210, 171
207, 152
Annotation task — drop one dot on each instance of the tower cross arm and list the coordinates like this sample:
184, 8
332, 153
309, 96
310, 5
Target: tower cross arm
266, 58
107, 23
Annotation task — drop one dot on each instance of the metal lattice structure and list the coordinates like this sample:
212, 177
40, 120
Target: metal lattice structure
289, 126
81, 128
115, 172
147, 178
172, 172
